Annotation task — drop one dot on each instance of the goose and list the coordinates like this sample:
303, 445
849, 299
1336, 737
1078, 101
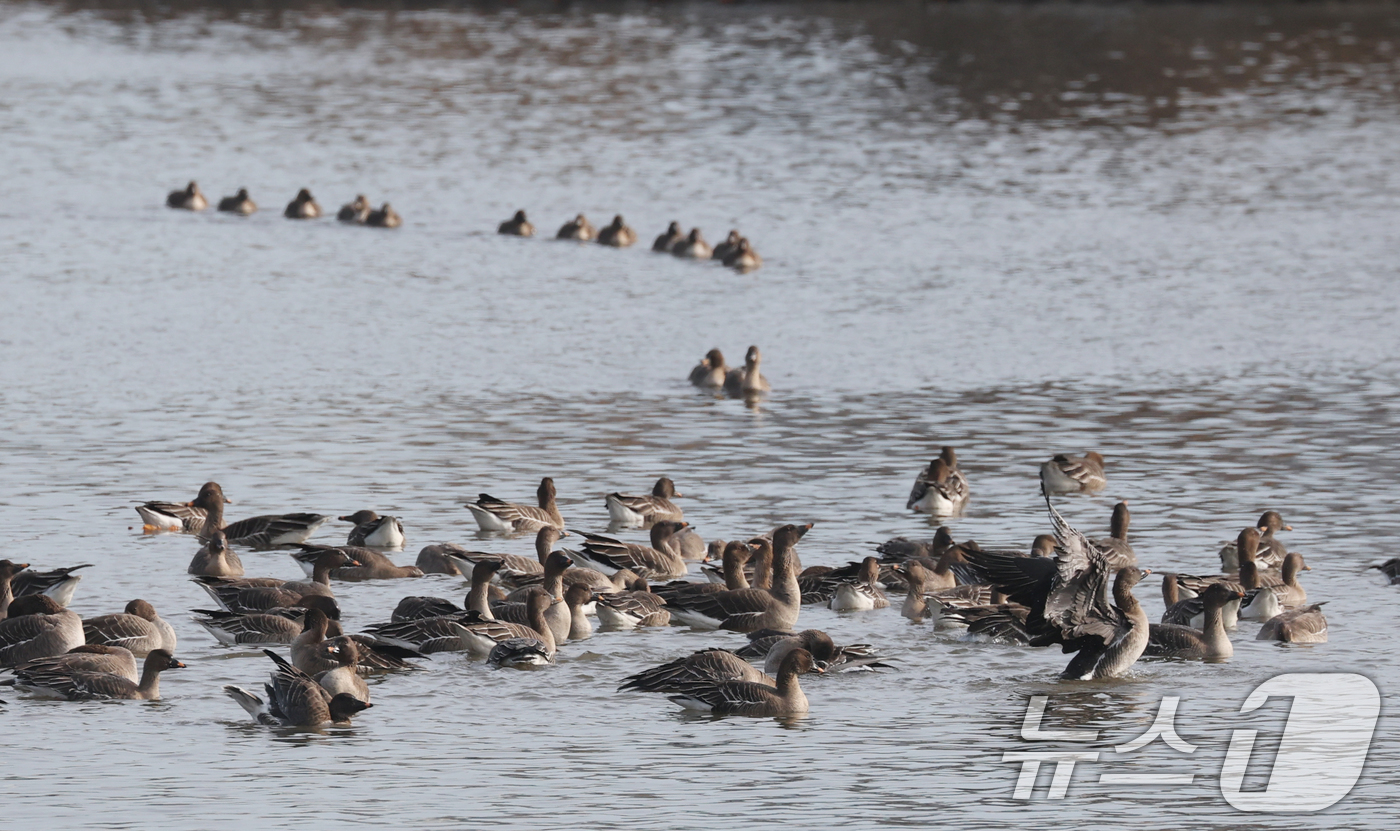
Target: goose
557, 615
640, 510
302, 207
1120, 551
365, 563
518, 653
205, 513
710, 372
735, 555
608, 555
507, 517
240, 203
940, 489
1271, 552
259, 594
422, 607
899, 549
89, 658
692, 247
618, 235
713, 664
667, 240
773, 645
515, 565
517, 226
481, 637
189, 199
730, 244
1066, 598
37, 627
1191, 611
1210, 643
374, 530
1247, 544
344, 678
374, 655
743, 258
296, 700
748, 379
436, 558
82, 685
466, 631
1070, 474
861, 594
58, 583
577, 597
749, 698
1263, 602
578, 228
385, 217
633, 608
746, 610
356, 212
758, 571
1306, 625
216, 559
138, 628
272, 627
687, 544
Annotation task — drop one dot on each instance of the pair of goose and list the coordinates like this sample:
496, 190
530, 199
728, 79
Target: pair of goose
191, 198
713, 374
616, 235
941, 488
361, 212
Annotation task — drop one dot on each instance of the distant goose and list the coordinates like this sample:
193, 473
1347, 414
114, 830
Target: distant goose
941, 488
189, 199
711, 371
87, 685
748, 379
1070, 474
240, 203
216, 559
632, 608
302, 207
517, 226
608, 555
639, 510
618, 235
861, 594
578, 228
58, 583
692, 247
37, 627
367, 564
744, 258
207, 511
1307, 625
493, 514
729, 246
1271, 552
89, 658
355, 212
666, 241
138, 629
385, 217
374, 530
1207, 644
713, 664
747, 610
296, 700
258, 594
748, 698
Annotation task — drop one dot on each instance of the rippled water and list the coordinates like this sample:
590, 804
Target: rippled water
1165, 232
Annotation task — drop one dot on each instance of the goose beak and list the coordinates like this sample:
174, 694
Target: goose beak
1288, 527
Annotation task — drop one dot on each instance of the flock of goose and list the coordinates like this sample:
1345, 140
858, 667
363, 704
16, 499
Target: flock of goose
520, 610
735, 252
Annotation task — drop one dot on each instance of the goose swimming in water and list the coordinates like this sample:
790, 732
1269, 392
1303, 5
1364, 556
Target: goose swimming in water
258, 594
1207, 644
368, 564
747, 610
189, 199
1307, 625
240, 203
1120, 551
493, 514
748, 379
1271, 552
517, 226
355, 212
89, 658
374, 530
385, 217
640, 510
216, 559
578, 228
749, 698
138, 629
294, 699
652, 562
618, 235
205, 513
1070, 474
941, 488
713, 664
861, 594
58, 583
743, 258
37, 627
711, 372
84, 685
302, 207
692, 247
632, 608
667, 240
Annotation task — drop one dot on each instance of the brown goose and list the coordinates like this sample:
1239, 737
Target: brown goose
1066, 598
1190, 611
516, 226
713, 664
189, 199
240, 203
257, 594
711, 371
385, 217
692, 246
748, 379
139, 629
1306, 625
749, 698
272, 627
727, 246
746, 610
743, 258
577, 598
422, 607
465, 631
1210, 643
509, 518
632, 608
618, 235
578, 228
216, 559
436, 558
515, 568
557, 615
608, 555
1267, 601
941, 488
89, 658
1120, 551
374, 655
374, 530
345, 677
37, 627
1070, 474
863, 593
86, 686
640, 510
205, 513
667, 240
368, 563
296, 700
303, 207
355, 212
1271, 552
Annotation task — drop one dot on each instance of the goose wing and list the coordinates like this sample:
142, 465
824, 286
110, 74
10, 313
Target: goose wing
266, 531
39, 582
252, 629
419, 607
760, 642
737, 609
123, 630
713, 664
512, 512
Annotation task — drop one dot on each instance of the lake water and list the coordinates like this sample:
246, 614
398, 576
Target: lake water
1166, 232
